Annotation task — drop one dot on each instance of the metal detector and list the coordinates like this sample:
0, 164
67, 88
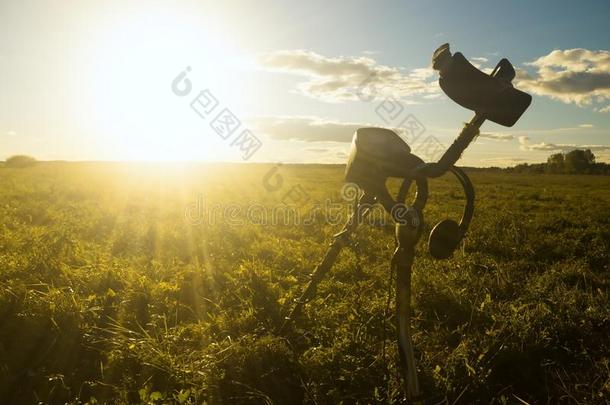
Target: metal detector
378, 154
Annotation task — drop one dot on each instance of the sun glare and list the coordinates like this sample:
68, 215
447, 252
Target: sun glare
130, 66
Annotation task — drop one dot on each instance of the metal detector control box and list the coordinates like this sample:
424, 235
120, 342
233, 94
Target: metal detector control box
377, 154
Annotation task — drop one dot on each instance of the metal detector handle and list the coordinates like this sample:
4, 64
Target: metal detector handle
475, 90
454, 152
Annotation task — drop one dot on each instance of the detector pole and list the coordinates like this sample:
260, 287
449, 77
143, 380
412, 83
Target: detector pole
407, 236
340, 240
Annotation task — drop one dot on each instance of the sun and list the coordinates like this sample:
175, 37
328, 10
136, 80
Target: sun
130, 62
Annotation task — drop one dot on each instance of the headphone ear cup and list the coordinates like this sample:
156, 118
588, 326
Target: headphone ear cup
444, 239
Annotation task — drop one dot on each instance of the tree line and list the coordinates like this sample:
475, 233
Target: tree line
577, 161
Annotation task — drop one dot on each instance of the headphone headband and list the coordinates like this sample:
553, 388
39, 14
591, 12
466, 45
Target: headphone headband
447, 234
469, 193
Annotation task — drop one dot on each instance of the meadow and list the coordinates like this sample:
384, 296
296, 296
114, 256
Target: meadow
115, 287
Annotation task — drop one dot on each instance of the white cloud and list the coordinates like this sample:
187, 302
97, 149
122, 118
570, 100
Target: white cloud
479, 59
318, 150
524, 142
479, 63
605, 109
560, 147
343, 78
329, 152
311, 129
503, 161
308, 129
581, 127
579, 76
501, 136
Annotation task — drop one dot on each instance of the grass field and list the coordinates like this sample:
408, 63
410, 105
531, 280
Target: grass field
115, 287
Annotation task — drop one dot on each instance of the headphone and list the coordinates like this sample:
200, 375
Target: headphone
446, 235
378, 154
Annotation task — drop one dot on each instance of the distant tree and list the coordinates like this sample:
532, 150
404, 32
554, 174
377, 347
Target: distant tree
578, 161
590, 156
20, 161
555, 163
574, 162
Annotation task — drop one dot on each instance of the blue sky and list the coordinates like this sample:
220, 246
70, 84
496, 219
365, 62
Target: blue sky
91, 80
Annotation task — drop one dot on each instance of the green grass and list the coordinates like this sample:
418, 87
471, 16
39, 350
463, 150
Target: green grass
108, 294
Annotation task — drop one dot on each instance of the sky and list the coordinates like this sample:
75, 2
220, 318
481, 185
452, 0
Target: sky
291, 81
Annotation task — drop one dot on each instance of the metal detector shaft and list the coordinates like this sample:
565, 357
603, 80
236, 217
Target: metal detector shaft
340, 240
454, 152
407, 236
